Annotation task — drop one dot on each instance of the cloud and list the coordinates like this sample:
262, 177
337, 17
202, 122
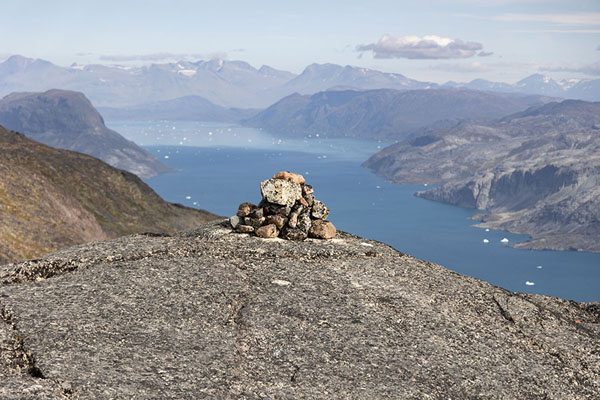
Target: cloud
417, 47
485, 53
598, 48
587, 69
579, 31
581, 18
162, 57
463, 68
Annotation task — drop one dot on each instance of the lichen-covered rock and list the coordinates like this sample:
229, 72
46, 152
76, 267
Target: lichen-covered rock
245, 209
322, 229
307, 189
290, 177
268, 231
319, 210
254, 222
280, 192
304, 223
277, 220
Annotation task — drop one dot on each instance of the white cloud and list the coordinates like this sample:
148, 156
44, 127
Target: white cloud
485, 53
161, 57
421, 47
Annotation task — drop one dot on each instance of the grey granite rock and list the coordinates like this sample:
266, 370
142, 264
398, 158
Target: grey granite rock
280, 192
211, 314
319, 210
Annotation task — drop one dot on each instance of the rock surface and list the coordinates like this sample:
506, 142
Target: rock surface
211, 314
281, 192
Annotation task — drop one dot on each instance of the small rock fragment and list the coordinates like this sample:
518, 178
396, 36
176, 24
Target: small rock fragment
309, 198
281, 282
280, 192
234, 221
304, 223
307, 189
319, 210
268, 231
257, 213
244, 229
290, 177
293, 234
245, 209
254, 222
322, 229
277, 220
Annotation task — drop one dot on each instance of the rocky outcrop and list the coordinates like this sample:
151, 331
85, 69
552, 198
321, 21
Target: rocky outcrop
535, 172
67, 120
52, 198
208, 313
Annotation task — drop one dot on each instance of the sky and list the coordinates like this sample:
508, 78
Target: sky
437, 41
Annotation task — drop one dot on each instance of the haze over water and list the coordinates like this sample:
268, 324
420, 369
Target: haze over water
220, 166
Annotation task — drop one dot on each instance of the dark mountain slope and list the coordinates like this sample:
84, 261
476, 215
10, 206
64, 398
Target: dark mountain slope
383, 114
67, 120
52, 198
534, 172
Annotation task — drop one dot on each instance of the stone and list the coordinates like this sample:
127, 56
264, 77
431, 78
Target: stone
307, 189
293, 217
303, 201
234, 221
244, 228
257, 213
278, 220
280, 192
290, 177
293, 234
254, 222
245, 209
319, 210
309, 198
304, 223
268, 231
322, 229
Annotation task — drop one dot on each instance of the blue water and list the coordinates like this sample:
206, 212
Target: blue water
217, 171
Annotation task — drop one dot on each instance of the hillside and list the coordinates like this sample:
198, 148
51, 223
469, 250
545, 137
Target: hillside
211, 314
67, 120
52, 198
383, 114
535, 172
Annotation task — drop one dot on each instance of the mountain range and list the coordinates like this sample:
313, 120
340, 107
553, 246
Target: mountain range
384, 114
51, 198
535, 172
67, 120
237, 84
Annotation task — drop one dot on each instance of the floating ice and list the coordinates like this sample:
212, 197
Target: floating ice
485, 241
539, 267
529, 283
504, 240
188, 197
487, 229
209, 133
378, 187
166, 156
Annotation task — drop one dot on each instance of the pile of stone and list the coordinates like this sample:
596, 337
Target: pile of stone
288, 209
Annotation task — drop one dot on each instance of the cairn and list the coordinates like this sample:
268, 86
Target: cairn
288, 209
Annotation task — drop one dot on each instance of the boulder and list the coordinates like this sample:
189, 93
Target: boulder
244, 229
290, 177
245, 209
277, 220
254, 222
280, 192
234, 221
322, 229
304, 223
268, 231
293, 234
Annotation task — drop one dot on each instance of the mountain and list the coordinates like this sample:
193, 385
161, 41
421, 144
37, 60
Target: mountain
582, 89
187, 108
67, 120
208, 313
52, 198
226, 83
320, 77
535, 172
384, 114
